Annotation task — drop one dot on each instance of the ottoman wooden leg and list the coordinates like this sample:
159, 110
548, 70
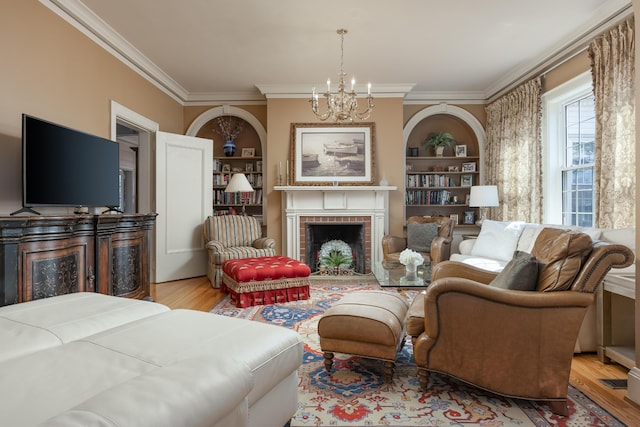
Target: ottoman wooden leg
423, 378
387, 374
328, 360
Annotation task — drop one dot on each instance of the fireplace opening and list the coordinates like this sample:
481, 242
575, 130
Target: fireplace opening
352, 233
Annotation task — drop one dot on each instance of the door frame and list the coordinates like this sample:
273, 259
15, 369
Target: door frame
146, 170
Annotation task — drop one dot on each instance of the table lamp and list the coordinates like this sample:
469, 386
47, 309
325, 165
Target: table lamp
239, 184
483, 197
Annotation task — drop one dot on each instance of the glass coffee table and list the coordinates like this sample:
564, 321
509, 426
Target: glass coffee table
395, 276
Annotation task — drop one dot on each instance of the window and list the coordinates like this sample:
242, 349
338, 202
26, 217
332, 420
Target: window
569, 144
578, 170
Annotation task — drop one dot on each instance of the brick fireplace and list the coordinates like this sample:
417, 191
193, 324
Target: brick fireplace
305, 205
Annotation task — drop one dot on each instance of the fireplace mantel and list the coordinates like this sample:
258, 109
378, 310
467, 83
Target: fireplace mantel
334, 204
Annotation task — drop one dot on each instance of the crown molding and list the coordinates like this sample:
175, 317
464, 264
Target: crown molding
608, 14
445, 97
392, 90
230, 98
88, 23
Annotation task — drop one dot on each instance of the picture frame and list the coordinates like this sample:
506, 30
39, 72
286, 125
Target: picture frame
469, 218
226, 167
454, 218
466, 180
248, 167
454, 169
461, 150
332, 154
248, 152
259, 166
469, 167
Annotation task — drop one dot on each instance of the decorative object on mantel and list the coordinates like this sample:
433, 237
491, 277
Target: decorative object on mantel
335, 258
333, 153
483, 197
342, 106
439, 141
411, 260
229, 127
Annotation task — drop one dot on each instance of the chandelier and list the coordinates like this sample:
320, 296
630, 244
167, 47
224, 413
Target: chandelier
342, 106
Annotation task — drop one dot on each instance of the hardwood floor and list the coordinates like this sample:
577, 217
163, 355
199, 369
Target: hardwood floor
586, 370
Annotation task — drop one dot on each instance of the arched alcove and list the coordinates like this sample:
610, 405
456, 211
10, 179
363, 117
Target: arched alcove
254, 138
460, 113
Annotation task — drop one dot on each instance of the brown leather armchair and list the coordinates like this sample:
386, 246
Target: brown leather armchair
513, 343
440, 246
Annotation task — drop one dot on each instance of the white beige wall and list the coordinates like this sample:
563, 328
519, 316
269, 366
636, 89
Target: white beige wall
52, 71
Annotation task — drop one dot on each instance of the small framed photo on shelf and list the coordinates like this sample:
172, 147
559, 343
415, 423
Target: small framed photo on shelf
248, 167
469, 167
248, 152
454, 218
259, 166
226, 167
454, 169
461, 150
466, 180
469, 218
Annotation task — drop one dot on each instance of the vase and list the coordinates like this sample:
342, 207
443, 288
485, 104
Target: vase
229, 148
439, 151
410, 271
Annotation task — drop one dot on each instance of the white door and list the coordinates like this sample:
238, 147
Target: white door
183, 201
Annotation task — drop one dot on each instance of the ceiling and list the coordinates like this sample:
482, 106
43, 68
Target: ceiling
244, 50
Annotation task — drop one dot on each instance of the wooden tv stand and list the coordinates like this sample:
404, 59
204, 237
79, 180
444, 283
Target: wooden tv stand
43, 256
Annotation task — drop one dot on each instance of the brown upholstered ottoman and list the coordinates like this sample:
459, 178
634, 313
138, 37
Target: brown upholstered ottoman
368, 324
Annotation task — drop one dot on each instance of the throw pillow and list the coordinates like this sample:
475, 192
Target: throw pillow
497, 239
420, 236
520, 274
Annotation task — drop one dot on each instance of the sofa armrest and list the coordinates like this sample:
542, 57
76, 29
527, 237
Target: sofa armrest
462, 270
215, 246
393, 244
264, 243
440, 249
466, 246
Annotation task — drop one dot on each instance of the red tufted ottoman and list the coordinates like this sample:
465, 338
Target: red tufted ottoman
265, 280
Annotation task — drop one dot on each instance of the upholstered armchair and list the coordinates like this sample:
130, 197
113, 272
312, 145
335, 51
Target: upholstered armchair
232, 237
429, 236
516, 343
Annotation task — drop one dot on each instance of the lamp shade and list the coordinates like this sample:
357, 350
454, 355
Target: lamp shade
238, 184
483, 196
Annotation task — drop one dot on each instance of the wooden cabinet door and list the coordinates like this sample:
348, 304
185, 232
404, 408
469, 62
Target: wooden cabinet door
129, 265
56, 267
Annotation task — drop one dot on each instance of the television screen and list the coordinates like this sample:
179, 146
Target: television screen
66, 167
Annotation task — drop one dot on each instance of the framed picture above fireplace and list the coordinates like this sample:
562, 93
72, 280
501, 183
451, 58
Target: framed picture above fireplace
332, 154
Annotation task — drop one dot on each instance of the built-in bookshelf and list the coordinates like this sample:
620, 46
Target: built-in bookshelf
223, 169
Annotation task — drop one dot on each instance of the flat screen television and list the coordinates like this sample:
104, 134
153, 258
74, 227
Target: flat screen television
66, 167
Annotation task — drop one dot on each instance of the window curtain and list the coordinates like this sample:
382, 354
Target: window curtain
612, 66
514, 153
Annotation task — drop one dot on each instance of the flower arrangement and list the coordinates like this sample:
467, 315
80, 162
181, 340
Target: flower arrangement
335, 253
230, 128
409, 256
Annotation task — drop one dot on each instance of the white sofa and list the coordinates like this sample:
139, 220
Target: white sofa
87, 359
497, 241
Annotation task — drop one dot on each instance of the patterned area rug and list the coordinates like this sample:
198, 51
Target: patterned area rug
354, 394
